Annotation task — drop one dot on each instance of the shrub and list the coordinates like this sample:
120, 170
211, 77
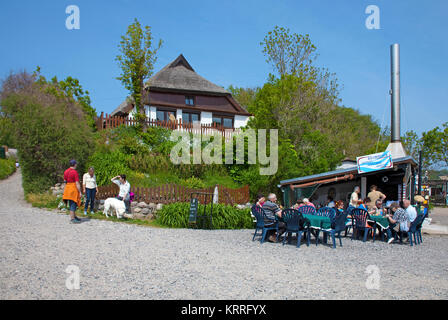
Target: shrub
6, 132
49, 131
224, 216
108, 165
150, 163
193, 183
7, 167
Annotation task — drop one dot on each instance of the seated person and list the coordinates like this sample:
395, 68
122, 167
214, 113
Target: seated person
339, 206
272, 209
307, 202
410, 210
260, 200
398, 222
378, 208
298, 204
366, 205
330, 203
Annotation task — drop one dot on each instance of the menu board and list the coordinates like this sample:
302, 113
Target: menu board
193, 210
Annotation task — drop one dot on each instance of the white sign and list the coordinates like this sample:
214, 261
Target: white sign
374, 162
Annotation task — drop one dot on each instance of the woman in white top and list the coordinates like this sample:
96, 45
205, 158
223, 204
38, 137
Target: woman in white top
90, 188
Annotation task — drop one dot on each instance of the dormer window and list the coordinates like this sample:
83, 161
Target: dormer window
189, 100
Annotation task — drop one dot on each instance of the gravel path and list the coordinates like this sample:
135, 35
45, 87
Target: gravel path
133, 262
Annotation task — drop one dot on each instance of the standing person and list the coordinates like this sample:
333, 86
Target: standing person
354, 198
89, 188
72, 190
125, 188
374, 195
171, 117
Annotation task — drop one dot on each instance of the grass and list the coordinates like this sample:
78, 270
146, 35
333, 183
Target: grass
152, 180
7, 167
43, 200
211, 180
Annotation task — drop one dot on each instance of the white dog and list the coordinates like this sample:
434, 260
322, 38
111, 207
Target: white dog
116, 205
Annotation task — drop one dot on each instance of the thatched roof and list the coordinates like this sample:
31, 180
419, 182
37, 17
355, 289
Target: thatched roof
179, 75
124, 107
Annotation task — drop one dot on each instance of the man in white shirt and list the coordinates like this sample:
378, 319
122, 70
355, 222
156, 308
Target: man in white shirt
125, 188
410, 210
354, 199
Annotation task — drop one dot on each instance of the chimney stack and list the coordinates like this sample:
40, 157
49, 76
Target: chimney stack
395, 147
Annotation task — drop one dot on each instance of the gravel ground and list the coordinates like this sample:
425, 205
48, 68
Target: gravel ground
133, 262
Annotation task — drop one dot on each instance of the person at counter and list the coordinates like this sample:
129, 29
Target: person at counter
374, 195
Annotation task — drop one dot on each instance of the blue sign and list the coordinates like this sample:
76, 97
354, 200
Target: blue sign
374, 162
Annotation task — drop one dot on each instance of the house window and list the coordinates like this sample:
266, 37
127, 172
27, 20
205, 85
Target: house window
225, 121
188, 117
189, 100
164, 115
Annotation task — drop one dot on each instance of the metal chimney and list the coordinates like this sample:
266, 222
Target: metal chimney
395, 147
395, 92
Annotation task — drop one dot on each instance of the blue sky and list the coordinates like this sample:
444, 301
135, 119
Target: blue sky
221, 40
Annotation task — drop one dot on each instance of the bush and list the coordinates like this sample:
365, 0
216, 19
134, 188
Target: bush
49, 131
6, 132
108, 165
7, 167
224, 216
193, 183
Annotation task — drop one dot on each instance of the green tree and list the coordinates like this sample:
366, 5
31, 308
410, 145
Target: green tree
435, 146
288, 53
70, 88
412, 143
6, 131
244, 96
137, 59
50, 129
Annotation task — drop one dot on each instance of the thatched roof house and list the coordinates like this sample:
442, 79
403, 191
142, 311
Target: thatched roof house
179, 90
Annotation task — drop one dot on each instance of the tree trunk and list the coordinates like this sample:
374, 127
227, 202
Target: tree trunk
142, 108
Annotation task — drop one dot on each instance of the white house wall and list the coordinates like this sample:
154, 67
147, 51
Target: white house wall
179, 114
153, 113
240, 121
206, 117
